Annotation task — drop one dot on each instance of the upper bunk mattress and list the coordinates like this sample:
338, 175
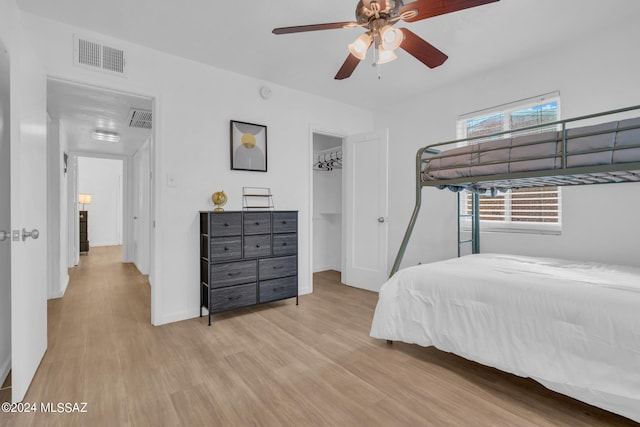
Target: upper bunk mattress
603, 144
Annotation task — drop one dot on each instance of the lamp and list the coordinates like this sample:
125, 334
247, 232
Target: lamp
103, 135
359, 47
85, 199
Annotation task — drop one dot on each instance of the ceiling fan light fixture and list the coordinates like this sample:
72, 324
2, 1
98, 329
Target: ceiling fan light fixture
391, 37
360, 46
385, 56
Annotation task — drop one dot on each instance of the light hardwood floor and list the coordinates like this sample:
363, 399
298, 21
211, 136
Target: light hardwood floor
274, 365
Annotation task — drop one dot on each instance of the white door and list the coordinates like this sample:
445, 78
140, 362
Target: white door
28, 200
366, 209
5, 218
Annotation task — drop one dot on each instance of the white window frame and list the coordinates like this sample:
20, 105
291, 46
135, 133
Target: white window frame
509, 226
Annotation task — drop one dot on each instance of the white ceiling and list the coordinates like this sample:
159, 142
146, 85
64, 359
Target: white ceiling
236, 35
84, 109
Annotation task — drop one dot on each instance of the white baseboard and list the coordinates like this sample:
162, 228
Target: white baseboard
325, 268
304, 291
178, 317
5, 367
99, 244
59, 293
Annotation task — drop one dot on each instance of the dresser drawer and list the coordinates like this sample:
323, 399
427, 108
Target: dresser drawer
278, 267
226, 248
285, 222
226, 224
257, 223
276, 289
285, 244
259, 245
233, 297
232, 273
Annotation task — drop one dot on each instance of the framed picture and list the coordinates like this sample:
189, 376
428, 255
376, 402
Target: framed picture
248, 146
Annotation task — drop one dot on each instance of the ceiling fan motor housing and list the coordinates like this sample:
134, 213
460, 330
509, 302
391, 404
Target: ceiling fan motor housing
366, 11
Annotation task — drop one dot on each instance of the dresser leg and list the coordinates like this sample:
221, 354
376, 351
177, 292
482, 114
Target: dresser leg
296, 299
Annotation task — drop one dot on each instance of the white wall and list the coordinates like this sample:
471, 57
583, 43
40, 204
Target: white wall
193, 106
593, 74
56, 200
63, 243
102, 178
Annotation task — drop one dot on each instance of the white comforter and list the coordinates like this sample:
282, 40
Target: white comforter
574, 327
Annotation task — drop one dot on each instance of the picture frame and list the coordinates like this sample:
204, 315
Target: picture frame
248, 146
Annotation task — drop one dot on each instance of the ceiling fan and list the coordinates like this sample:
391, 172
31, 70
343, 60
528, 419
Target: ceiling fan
378, 17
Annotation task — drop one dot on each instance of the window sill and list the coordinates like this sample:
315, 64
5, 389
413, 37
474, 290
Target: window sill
542, 229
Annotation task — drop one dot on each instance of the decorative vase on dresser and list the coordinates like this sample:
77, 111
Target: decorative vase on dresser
247, 258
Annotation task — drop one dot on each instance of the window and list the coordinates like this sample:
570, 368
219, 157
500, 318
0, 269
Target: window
528, 209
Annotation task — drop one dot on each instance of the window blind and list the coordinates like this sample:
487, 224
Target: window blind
522, 206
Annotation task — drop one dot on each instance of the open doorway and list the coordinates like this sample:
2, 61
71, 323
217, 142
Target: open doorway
104, 138
327, 203
100, 202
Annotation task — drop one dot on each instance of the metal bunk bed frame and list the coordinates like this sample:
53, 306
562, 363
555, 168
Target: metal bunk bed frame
562, 176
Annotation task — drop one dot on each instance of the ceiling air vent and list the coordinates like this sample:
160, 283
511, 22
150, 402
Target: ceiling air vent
97, 56
140, 118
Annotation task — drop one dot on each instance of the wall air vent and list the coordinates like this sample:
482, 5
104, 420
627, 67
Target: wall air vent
140, 118
97, 56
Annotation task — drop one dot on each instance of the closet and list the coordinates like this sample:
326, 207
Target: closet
327, 203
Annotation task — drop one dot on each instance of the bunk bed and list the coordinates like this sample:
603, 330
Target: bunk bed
572, 326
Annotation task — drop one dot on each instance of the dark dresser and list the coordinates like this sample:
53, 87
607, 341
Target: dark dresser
84, 237
247, 258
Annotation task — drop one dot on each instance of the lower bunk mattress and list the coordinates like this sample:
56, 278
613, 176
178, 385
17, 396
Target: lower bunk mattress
572, 326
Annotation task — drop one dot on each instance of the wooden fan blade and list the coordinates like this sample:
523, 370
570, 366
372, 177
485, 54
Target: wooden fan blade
347, 68
315, 27
421, 50
429, 8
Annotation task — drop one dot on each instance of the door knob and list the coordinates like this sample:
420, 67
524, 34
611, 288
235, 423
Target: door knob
34, 234
3, 235
381, 219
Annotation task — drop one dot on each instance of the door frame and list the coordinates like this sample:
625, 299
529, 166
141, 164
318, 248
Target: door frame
321, 130
154, 196
127, 201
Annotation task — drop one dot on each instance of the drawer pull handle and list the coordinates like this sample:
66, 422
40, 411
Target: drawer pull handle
235, 273
226, 248
257, 223
226, 224
284, 222
232, 298
284, 244
257, 246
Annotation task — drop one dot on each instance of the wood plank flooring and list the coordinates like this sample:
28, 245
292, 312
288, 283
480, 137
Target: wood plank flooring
273, 365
